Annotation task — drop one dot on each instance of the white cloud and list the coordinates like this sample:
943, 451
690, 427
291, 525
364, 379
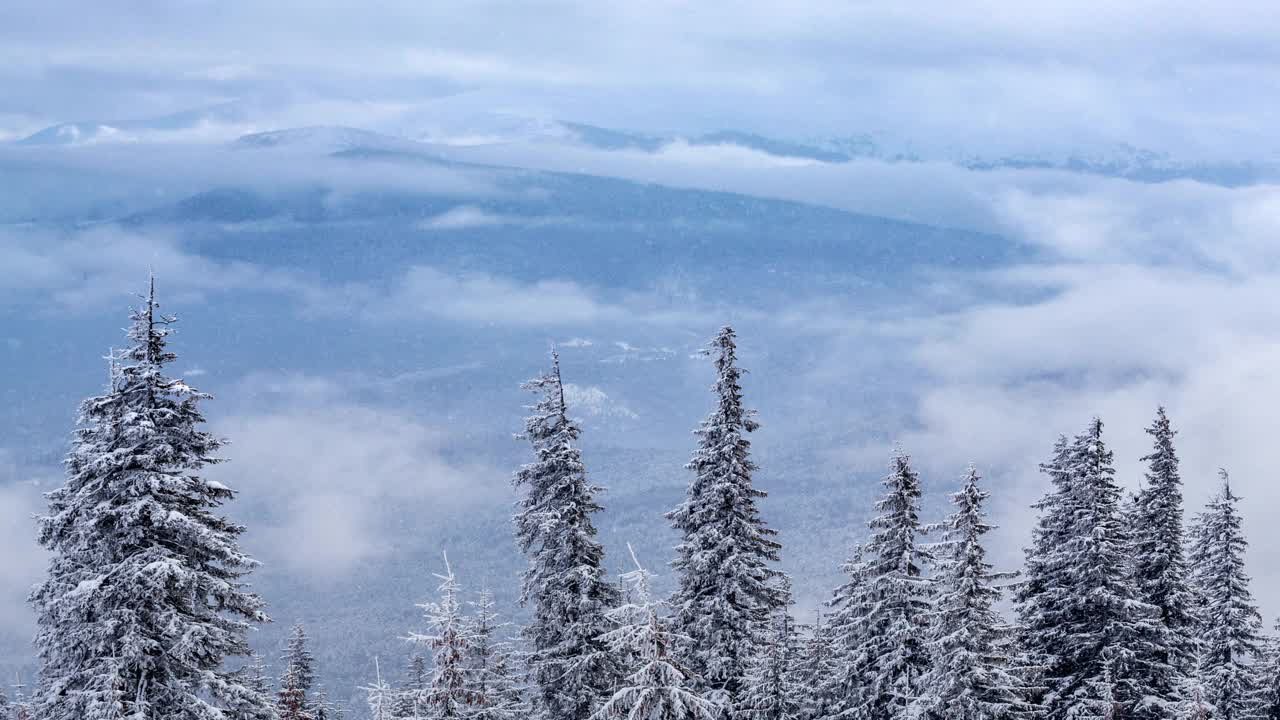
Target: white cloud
466, 217
82, 270
475, 297
23, 562
328, 475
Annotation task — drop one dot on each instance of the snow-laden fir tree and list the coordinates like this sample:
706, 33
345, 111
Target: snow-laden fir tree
1231, 627
881, 619
1043, 580
145, 598
447, 636
771, 691
1093, 624
970, 646
379, 696
491, 683
656, 686
253, 675
1268, 680
565, 581
727, 586
1161, 575
5, 708
294, 701
412, 689
813, 669
321, 708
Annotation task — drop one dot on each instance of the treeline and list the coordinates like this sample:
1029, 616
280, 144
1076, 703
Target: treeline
1122, 610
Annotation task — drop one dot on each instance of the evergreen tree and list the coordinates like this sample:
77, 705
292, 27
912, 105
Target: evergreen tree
881, 622
144, 599
565, 580
771, 691
970, 676
1161, 575
1268, 680
491, 685
446, 695
380, 697
412, 690
321, 708
657, 688
728, 587
1044, 581
5, 709
253, 676
1231, 626
1094, 627
294, 702
813, 669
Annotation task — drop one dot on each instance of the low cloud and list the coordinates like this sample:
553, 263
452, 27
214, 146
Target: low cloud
328, 475
81, 270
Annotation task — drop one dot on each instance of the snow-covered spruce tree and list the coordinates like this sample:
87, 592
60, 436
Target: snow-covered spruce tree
1095, 627
253, 675
446, 695
565, 581
880, 622
728, 586
1043, 581
412, 689
321, 708
1268, 680
1231, 627
5, 708
657, 687
841, 692
491, 684
813, 669
144, 598
1160, 571
294, 700
970, 646
771, 691
379, 696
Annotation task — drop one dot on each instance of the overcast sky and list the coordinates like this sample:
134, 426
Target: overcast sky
1191, 77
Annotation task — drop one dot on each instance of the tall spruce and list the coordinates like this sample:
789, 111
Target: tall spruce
880, 622
728, 587
145, 596
1161, 575
1043, 581
971, 648
565, 581
1231, 627
1093, 628
297, 678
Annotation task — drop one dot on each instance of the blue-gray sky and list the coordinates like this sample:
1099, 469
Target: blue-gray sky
1185, 76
